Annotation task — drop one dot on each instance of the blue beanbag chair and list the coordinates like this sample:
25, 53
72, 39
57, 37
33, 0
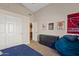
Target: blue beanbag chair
68, 45
71, 37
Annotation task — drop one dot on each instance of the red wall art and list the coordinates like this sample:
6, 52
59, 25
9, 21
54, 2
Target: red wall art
73, 23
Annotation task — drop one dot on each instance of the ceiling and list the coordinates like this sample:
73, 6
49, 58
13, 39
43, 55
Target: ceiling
35, 6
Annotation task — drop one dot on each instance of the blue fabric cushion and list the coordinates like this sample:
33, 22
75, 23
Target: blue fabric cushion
71, 37
66, 47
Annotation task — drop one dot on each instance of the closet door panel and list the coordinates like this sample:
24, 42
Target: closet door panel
2, 31
14, 29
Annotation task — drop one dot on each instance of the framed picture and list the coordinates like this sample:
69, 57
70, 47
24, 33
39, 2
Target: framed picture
73, 23
44, 26
51, 26
61, 25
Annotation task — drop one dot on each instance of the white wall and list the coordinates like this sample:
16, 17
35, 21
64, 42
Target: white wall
54, 13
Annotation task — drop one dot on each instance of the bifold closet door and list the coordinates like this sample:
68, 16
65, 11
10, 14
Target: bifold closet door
2, 31
13, 31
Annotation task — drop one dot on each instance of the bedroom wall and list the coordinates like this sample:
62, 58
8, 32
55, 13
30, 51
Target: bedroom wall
54, 13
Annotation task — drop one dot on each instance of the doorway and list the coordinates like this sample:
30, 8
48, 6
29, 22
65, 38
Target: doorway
31, 32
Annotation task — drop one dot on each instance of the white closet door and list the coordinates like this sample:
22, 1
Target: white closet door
2, 31
13, 30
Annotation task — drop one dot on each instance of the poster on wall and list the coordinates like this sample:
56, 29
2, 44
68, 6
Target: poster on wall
61, 25
73, 23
